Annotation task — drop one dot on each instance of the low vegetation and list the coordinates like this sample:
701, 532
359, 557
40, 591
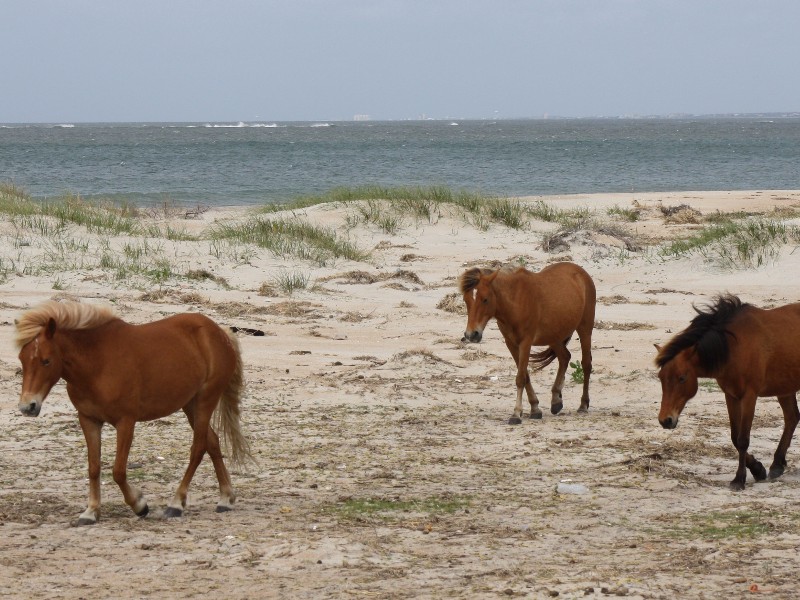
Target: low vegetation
736, 243
138, 247
291, 237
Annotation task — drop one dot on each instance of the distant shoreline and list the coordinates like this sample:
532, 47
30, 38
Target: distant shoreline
341, 120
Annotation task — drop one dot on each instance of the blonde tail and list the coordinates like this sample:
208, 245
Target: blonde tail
226, 416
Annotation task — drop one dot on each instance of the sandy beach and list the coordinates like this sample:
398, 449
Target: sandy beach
385, 464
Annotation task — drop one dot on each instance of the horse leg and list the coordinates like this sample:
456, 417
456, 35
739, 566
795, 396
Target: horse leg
536, 412
133, 496
740, 413
586, 365
91, 431
522, 381
226, 495
563, 355
791, 416
200, 421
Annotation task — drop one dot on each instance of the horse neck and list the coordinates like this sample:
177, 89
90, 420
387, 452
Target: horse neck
504, 292
694, 360
76, 356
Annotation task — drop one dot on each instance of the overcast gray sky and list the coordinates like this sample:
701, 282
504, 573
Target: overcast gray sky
231, 60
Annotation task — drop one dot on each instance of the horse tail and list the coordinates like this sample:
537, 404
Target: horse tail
539, 360
226, 416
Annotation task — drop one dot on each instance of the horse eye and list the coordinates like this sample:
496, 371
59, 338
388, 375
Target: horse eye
46, 362
485, 300
682, 379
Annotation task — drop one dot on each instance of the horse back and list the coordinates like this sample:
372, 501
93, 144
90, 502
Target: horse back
182, 349
554, 302
765, 353
566, 288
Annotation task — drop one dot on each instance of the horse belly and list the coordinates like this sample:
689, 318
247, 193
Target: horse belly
780, 364
160, 385
161, 393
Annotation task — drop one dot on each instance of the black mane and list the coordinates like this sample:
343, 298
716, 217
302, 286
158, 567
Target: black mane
707, 334
469, 279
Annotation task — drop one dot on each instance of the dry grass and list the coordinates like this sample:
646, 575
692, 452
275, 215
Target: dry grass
453, 303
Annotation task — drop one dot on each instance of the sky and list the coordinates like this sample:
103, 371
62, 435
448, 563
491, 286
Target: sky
307, 60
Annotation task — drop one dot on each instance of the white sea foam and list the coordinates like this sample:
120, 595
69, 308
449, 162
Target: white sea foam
241, 124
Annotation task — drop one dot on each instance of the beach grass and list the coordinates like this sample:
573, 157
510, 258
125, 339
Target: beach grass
737, 243
388, 207
753, 244
290, 281
52, 216
292, 237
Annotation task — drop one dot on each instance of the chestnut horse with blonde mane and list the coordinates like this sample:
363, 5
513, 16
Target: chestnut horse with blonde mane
751, 352
534, 309
120, 374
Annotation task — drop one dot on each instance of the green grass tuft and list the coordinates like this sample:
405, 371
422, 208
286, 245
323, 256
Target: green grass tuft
292, 237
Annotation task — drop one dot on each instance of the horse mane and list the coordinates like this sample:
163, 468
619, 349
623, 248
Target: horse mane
707, 334
469, 279
67, 315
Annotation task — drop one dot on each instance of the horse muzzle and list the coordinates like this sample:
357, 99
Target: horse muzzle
472, 336
30, 406
669, 422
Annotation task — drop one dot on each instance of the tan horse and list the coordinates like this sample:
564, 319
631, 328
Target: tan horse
751, 352
534, 309
120, 373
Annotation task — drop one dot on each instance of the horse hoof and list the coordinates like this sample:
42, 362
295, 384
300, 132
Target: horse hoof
556, 408
514, 421
221, 508
584, 408
536, 415
171, 512
736, 486
83, 521
759, 472
775, 472
143, 512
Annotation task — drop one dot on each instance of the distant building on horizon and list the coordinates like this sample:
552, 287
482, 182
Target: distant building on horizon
361, 118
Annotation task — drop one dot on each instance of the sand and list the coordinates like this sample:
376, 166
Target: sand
386, 467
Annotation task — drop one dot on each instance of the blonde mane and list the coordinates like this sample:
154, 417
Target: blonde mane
67, 315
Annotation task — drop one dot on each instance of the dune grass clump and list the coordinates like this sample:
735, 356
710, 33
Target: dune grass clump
292, 237
51, 217
387, 207
737, 244
69, 233
510, 213
289, 281
630, 215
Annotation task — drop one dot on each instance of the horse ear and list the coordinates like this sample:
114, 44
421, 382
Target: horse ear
658, 348
50, 329
490, 277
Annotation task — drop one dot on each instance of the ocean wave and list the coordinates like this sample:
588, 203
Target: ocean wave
241, 124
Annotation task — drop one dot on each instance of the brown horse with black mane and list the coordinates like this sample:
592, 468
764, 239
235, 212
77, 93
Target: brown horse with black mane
534, 309
751, 352
120, 373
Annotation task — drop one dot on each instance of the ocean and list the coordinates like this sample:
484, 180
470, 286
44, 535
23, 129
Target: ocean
219, 164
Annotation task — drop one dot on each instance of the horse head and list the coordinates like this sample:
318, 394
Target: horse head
679, 384
41, 369
481, 301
